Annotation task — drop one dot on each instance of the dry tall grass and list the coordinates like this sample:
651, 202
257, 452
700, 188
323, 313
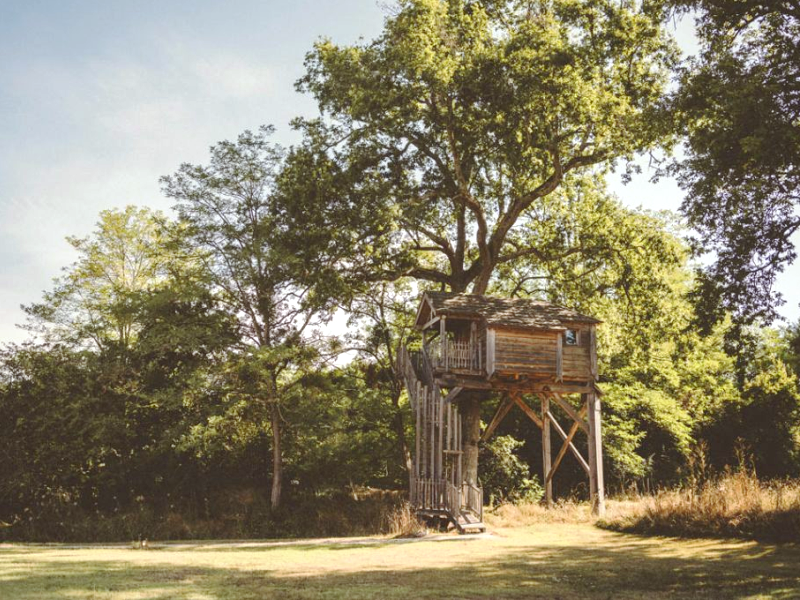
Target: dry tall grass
735, 504
403, 522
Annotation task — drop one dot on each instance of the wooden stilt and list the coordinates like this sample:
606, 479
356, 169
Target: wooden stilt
459, 447
431, 433
418, 429
596, 487
548, 484
440, 436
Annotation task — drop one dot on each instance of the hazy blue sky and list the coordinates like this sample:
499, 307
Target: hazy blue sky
98, 99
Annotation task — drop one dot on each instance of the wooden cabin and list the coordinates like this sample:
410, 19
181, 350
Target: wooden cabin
518, 349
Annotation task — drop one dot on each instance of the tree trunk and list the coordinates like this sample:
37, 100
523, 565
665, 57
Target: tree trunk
481, 284
471, 412
399, 428
405, 453
277, 455
471, 406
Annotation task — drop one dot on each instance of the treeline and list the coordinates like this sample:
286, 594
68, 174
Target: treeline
192, 375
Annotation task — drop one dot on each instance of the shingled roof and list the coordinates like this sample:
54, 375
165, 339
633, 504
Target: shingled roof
505, 312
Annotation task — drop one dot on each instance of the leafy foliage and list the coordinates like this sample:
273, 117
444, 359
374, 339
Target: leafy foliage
739, 104
460, 119
505, 477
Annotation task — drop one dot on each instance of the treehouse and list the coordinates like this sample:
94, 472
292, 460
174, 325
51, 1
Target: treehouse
517, 352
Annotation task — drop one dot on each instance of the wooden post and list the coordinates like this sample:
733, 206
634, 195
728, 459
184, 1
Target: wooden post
560, 357
546, 462
490, 341
432, 441
443, 341
418, 428
448, 442
473, 337
440, 429
459, 447
596, 488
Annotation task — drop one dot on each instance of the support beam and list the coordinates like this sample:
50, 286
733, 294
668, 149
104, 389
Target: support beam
433, 321
571, 446
527, 410
502, 410
570, 411
548, 484
596, 486
451, 395
450, 380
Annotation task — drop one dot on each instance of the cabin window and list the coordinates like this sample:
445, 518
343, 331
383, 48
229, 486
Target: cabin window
571, 337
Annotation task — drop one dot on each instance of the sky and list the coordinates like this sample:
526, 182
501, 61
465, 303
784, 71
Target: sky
99, 99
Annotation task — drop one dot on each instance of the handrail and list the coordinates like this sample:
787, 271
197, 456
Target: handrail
440, 494
457, 355
474, 499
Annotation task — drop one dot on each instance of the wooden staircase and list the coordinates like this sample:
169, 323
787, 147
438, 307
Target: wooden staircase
469, 523
437, 488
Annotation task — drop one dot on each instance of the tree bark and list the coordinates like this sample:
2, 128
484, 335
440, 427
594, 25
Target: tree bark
471, 435
277, 456
405, 453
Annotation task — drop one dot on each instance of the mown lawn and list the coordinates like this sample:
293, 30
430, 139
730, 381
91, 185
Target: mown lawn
541, 561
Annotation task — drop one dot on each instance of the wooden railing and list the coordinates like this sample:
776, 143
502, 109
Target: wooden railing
463, 355
429, 494
472, 499
441, 495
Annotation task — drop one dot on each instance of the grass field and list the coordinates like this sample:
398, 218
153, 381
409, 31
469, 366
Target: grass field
543, 561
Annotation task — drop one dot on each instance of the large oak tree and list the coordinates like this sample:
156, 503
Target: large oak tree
461, 117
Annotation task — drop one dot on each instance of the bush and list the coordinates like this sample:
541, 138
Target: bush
506, 477
230, 515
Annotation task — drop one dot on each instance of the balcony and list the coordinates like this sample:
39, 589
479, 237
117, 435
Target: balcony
455, 355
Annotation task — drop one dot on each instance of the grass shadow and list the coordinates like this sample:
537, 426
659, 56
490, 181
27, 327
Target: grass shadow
623, 566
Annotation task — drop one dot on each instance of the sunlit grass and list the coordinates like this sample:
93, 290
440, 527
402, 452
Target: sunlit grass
546, 560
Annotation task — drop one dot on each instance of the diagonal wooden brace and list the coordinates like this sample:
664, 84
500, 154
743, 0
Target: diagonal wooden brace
570, 445
528, 410
576, 416
565, 446
502, 410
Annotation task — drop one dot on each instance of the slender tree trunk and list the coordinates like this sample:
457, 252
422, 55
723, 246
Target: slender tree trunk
405, 453
277, 455
471, 435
